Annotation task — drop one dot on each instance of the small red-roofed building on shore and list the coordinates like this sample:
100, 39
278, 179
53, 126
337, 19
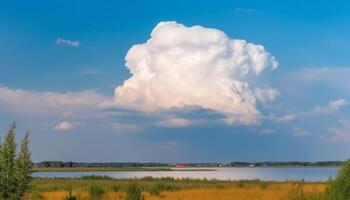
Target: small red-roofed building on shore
180, 165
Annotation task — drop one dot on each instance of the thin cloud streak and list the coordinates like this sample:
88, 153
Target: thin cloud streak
68, 43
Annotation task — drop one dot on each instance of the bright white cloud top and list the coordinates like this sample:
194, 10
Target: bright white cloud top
181, 67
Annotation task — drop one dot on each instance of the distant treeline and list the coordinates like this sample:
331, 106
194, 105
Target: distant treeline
288, 164
61, 164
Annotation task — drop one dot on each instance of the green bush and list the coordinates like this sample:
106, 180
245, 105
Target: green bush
133, 192
96, 191
340, 188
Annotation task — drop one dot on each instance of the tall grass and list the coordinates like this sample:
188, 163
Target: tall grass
70, 195
133, 192
37, 195
298, 193
96, 191
157, 189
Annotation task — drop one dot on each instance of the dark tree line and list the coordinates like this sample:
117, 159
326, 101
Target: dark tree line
61, 164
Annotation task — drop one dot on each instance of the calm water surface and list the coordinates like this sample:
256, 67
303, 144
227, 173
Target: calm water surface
273, 174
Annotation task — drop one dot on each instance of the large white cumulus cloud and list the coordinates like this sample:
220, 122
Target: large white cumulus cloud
183, 66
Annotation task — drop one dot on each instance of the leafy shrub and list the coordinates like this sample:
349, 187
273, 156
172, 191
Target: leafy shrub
133, 192
96, 191
340, 188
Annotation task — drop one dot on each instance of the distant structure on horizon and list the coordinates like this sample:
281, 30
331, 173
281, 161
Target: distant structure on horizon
180, 165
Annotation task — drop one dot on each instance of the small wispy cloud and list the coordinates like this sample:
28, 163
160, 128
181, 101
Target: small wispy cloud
285, 118
125, 127
64, 126
300, 132
68, 43
332, 107
335, 105
245, 10
176, 122
266, 95
91, 71
335, 78
267, 131
340, 133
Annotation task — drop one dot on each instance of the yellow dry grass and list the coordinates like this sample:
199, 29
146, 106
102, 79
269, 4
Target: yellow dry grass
275, 191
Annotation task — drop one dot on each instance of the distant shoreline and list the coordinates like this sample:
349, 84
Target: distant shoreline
112, 169
154, 169
149, 166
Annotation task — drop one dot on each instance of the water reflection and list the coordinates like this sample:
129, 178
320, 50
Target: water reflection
273, 174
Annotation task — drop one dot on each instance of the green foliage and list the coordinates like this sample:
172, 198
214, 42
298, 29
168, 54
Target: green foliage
240, 183
15, 171
23, 167
156, 189
96, 177
96, 191
133, 192
340, 188
116, 188
7, 165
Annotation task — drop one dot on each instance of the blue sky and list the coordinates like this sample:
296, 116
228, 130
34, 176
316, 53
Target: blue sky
61, 61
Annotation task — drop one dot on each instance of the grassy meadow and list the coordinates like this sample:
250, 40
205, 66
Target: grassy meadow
91, 188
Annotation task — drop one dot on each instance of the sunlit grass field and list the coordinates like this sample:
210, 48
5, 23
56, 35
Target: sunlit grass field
170, 189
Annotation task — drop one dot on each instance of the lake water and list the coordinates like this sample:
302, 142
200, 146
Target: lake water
273, 174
